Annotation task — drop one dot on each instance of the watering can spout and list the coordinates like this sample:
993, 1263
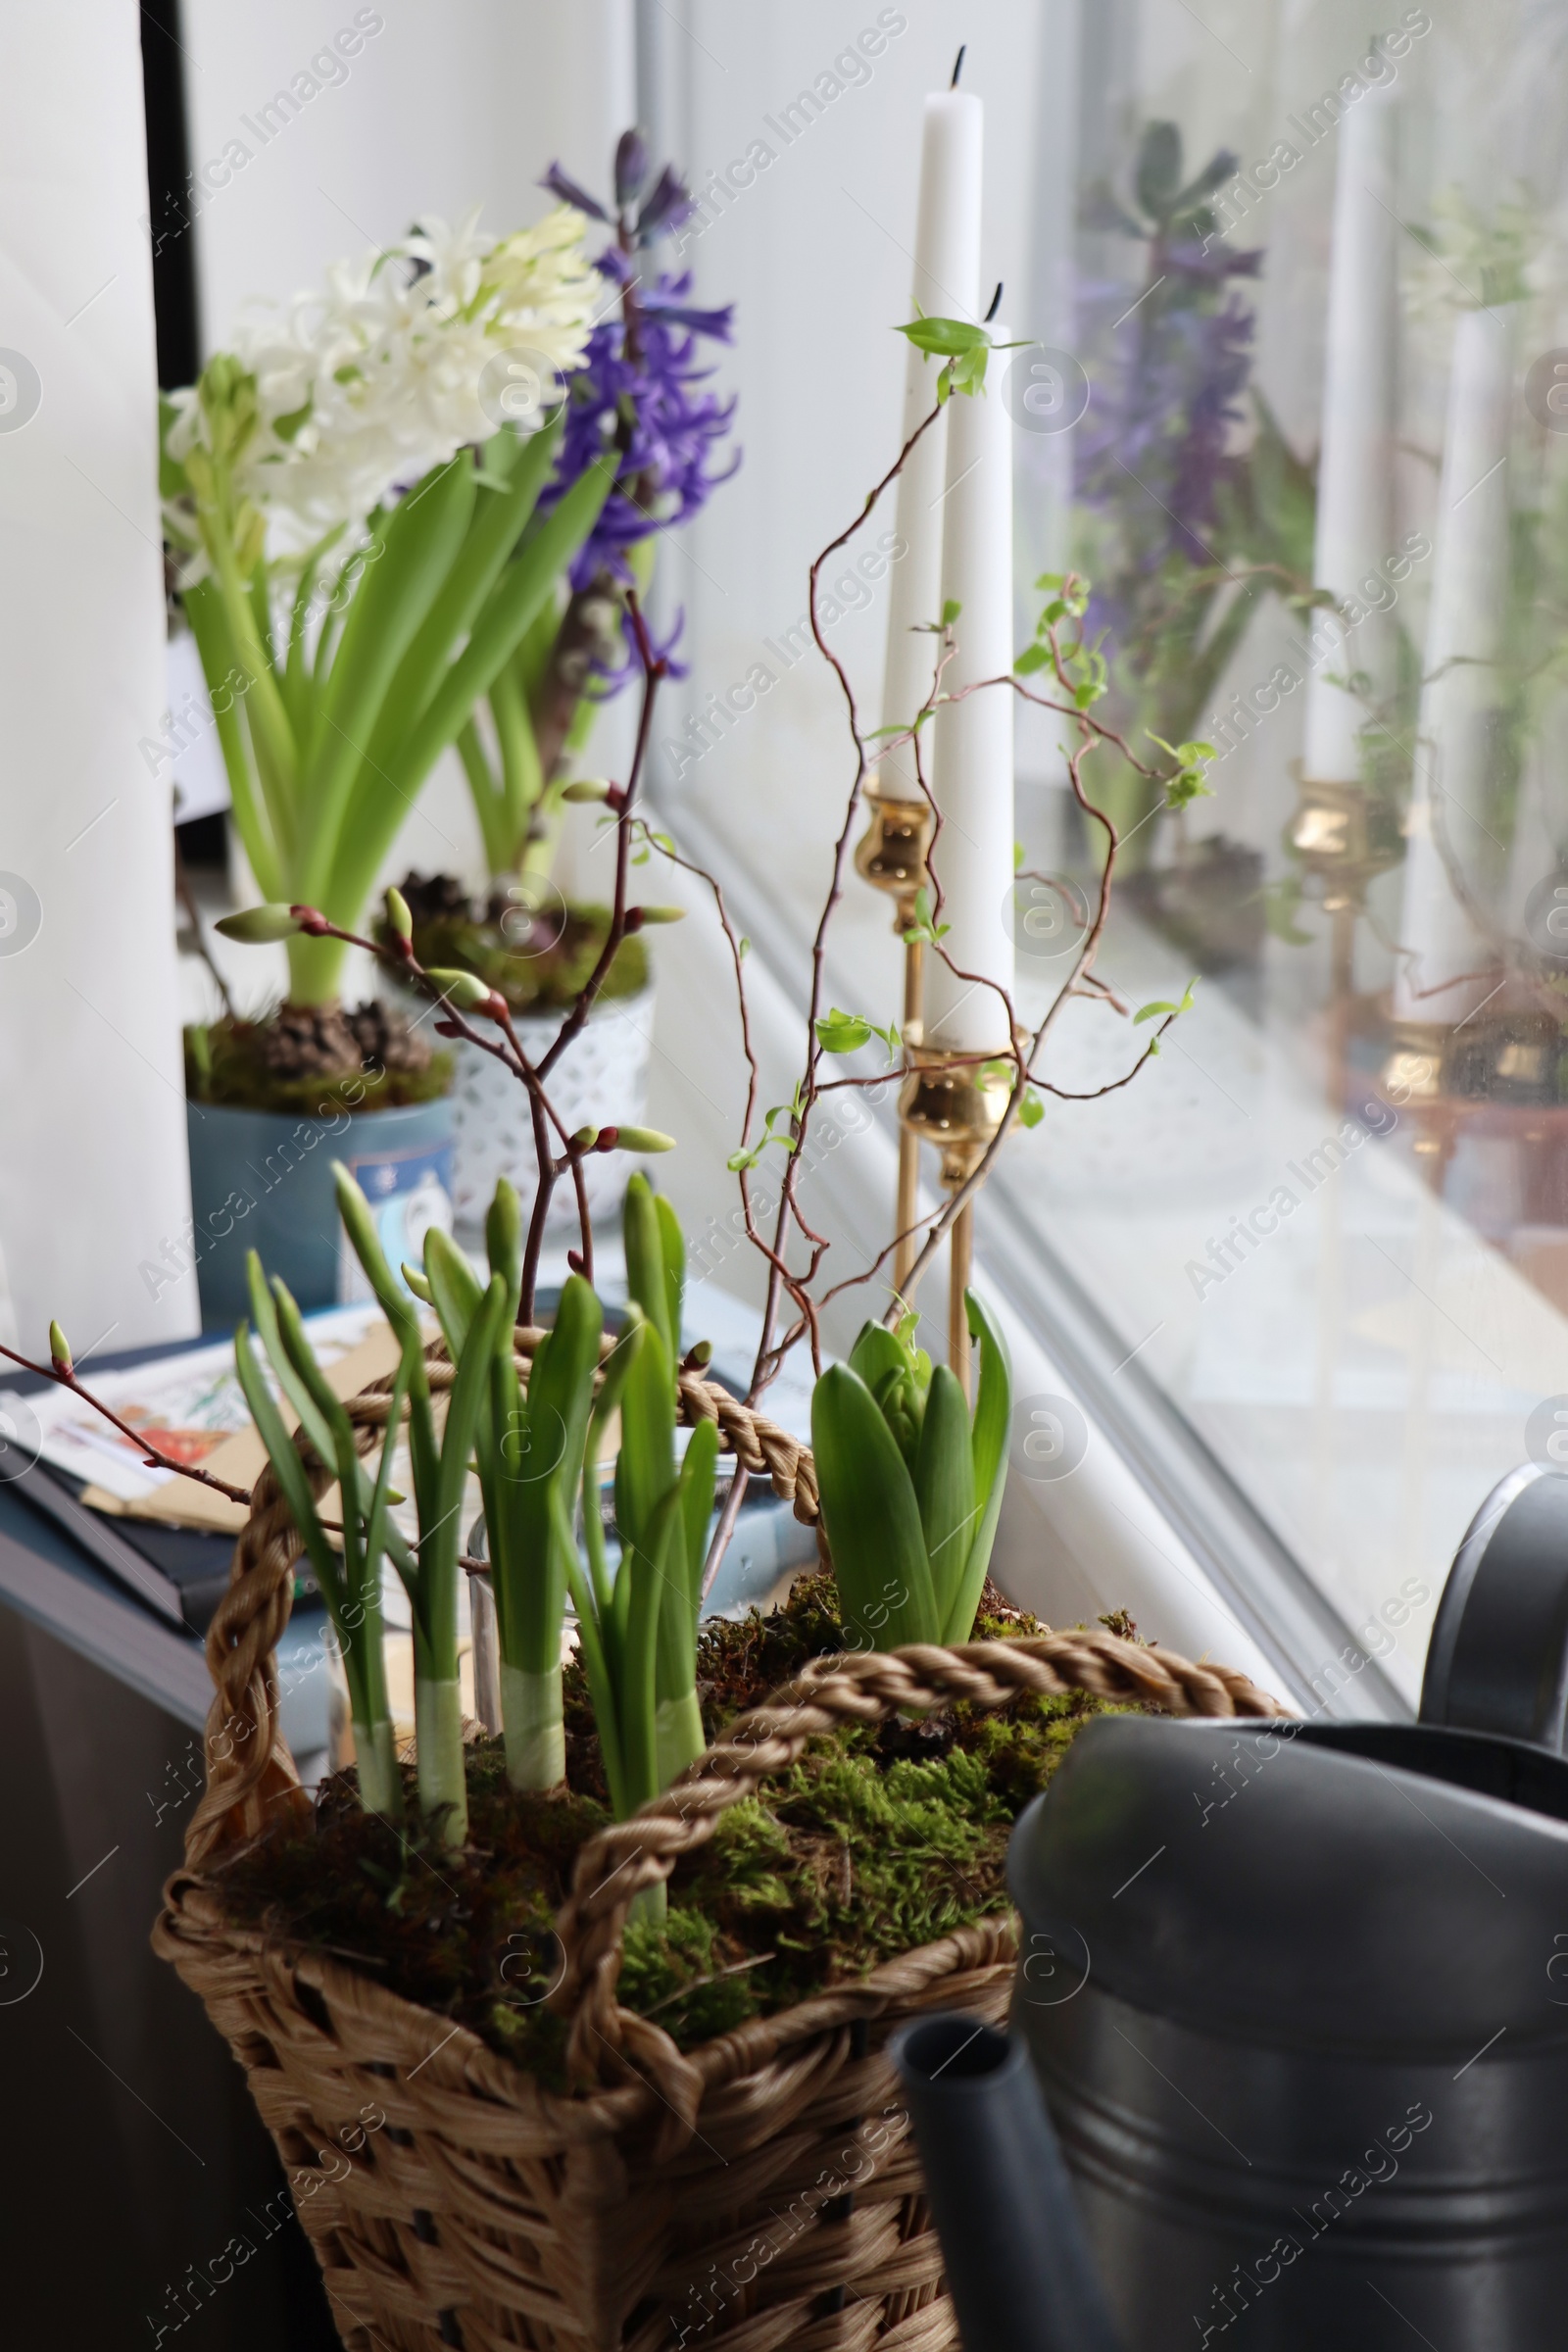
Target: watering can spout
1017, 2263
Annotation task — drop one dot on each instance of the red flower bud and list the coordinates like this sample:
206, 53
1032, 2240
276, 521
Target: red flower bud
616, 798
633, 919
311, 919
447, 1029
608, 1138
575, 1260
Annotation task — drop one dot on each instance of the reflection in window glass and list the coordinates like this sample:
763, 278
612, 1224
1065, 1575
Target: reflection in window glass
1320, 489
1307, 264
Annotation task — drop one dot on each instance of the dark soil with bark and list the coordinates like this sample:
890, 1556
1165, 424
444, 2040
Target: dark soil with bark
313, 1060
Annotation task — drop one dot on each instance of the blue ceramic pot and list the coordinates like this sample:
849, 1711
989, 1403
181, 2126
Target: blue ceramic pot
263, 1180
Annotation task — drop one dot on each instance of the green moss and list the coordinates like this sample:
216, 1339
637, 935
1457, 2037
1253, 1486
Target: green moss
546, 979
878, 1839
226, 1062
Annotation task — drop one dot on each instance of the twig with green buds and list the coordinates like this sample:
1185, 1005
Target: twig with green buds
62, 1370
462, 994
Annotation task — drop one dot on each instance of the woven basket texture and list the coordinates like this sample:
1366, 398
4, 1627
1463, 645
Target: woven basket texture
758, 2192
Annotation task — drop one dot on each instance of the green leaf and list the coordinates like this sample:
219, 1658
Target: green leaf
877, 1352
645, 1467
672, 1246
870, 1515
601, 1691
967, 370
644, 1244
944, 1488
950, 612
396, 1305
503, 1241
547, 1440
1031, 1111
417, 547
842, 1032
263, 1314
440, 1545
992, 1420
287, 1468
1033, 657
698, 1478
520, 589
946, 337
1151, 1012
645, 1569
455, 1289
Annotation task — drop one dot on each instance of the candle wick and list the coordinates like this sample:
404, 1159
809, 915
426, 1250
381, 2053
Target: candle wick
996, 302
957, 66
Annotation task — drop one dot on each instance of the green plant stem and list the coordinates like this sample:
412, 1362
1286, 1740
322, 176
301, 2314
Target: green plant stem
650, 1905
535, 1730
489, 802
375, 1756
438, 1730
678, 1737
205, 613
522, 778
315, 969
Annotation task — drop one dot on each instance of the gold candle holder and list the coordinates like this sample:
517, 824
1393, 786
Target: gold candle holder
1413, 1076
957, 1101
1344, 835
892, 858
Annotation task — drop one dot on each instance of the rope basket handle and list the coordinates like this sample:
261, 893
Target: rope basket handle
606, 2040
250, 1772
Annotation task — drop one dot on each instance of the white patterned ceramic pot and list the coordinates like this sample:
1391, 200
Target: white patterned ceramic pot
599, 1081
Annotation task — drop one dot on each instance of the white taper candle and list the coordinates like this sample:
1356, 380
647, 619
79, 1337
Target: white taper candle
946, 283
1446, 968
971, 750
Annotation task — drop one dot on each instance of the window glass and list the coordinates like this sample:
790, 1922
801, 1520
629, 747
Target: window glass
1309, 270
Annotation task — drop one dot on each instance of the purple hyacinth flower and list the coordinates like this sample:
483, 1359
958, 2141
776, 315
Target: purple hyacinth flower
568, 192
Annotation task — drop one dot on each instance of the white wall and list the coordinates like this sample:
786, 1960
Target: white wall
442, 108
92, 1140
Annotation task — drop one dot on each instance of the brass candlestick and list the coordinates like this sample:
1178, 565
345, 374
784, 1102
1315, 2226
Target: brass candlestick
956, 1102
1413, 1076
1347, 837
893, 858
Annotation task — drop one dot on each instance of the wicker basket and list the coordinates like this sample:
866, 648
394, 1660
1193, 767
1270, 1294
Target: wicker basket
759, 2191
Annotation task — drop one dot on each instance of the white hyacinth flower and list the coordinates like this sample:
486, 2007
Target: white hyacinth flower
364, 385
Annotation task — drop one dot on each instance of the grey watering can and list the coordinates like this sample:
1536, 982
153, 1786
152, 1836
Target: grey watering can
1288, 2066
